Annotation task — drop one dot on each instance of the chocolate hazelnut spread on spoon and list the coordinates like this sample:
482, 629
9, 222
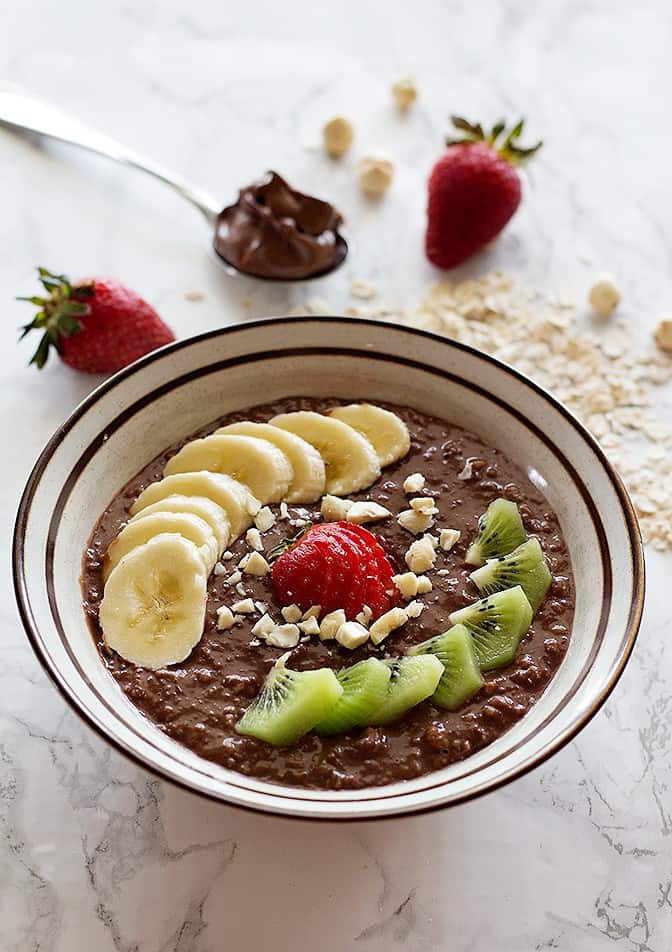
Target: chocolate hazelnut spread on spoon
272, 231
275, 232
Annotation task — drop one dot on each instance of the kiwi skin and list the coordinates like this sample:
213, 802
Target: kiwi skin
364, 690
525, 566
497, 624
461, 678
500, 531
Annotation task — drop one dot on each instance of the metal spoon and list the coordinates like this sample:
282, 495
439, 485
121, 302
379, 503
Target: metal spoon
22, 112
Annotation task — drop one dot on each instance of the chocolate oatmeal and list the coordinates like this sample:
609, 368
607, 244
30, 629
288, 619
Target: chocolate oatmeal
199, 701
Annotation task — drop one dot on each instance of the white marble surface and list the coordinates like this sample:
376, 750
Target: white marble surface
96, 853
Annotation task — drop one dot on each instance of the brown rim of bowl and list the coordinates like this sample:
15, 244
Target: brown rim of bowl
32, 630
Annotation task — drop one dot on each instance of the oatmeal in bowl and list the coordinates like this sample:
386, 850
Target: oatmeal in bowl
388, 588
382, 594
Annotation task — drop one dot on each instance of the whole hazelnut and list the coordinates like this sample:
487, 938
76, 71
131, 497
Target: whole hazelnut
337, 135
405, 93
375, 175
604, 296
663, 334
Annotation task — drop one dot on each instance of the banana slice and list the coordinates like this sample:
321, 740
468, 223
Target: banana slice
206, 509
308, 482
237, 500
258, 464
386, 432
186, 524
350, 459
153, 609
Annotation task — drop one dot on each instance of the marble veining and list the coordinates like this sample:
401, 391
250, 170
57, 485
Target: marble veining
94, 852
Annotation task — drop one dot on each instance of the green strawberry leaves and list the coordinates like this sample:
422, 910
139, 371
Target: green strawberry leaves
59, 313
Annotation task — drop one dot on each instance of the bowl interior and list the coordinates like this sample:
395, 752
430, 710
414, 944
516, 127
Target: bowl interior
169, 395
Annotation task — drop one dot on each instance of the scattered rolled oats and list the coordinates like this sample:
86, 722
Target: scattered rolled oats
363, 290
599, 376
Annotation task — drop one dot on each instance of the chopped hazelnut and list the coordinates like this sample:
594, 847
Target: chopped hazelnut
361, 512
381, 628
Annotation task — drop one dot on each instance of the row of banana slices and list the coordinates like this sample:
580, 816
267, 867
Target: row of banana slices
156, 570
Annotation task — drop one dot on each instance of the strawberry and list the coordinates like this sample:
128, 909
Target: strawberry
474, 189
97, 326
333, 566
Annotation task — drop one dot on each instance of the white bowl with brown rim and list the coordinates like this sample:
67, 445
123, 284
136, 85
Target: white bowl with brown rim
164, 397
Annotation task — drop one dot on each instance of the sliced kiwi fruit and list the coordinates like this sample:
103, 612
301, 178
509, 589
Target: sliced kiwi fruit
461, 677
290, 704
411, 681
364, 690
500, 531
525, 566
497, 624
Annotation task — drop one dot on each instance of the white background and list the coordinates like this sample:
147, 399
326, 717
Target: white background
95, 853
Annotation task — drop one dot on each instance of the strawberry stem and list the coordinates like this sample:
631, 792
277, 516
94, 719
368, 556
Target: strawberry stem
508, 149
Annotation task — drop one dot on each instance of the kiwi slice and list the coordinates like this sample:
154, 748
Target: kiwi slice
290, 704
364, 690
500, 531
497, 624
411, 681
525, 566
461, 677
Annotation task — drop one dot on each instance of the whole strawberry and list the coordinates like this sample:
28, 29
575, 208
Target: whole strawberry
97, 326
474, 189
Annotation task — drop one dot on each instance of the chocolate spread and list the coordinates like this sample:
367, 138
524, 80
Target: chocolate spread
199, 701
273, 231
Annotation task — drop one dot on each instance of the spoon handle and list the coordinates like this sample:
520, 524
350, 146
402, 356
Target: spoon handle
20, 111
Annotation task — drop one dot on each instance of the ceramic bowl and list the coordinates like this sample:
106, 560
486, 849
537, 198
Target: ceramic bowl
166, 396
